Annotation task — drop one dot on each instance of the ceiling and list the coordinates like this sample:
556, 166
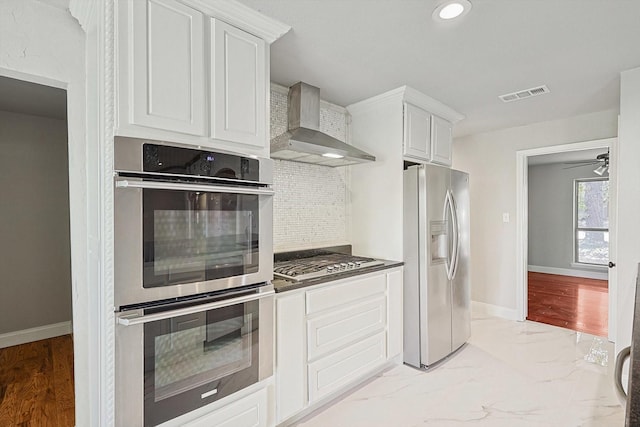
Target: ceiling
355, 49
23, 97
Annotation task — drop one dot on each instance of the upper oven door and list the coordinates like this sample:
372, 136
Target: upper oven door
174, 239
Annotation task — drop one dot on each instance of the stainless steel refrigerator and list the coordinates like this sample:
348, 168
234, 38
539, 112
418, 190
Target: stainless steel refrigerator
436, 254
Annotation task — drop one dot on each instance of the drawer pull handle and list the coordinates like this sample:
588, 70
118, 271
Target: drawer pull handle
209, 393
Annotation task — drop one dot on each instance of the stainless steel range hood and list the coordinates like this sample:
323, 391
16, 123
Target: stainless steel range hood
303, 141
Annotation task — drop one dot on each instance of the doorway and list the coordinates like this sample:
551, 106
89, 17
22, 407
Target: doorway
36, 332
568, 240
592, 289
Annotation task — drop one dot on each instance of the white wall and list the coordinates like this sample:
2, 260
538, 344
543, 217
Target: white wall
628, 203
551, 212
35, 258
377, 188
311, 205
45, 44
490, 159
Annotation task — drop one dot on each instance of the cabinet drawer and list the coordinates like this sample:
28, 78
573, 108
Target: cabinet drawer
329, 297
250, 411
336, 329
343, 367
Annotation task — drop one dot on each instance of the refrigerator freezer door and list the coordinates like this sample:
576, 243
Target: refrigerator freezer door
435, 298
411, 293
460, 288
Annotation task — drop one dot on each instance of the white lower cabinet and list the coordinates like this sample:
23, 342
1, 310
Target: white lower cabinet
341, 368
332, 335
250, 411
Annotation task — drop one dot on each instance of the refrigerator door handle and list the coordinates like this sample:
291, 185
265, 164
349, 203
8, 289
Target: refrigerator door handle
456, 235
451, 259
445, 214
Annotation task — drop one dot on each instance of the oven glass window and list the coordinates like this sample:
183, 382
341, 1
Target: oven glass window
196, 236
193, 360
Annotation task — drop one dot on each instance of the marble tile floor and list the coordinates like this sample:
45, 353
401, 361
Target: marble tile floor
511, 374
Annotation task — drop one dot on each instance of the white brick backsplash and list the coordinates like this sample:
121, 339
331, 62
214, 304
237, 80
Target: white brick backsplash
310, 207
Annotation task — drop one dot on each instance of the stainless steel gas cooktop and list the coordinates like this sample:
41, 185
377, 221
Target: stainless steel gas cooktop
321, 265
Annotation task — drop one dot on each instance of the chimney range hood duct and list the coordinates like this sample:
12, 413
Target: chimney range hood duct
303, 141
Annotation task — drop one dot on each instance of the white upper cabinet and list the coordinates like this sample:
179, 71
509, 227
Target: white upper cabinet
194, 71
379, 125
441, 140
417, 133
238, 85
168, 66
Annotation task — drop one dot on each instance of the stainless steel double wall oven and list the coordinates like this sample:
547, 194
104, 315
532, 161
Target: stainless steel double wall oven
193, 264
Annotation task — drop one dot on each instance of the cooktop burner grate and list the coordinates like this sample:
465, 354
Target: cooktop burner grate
321, 265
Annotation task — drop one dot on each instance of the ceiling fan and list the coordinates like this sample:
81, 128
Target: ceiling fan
602, 160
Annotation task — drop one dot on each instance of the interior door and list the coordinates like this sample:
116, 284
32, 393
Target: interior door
460, 288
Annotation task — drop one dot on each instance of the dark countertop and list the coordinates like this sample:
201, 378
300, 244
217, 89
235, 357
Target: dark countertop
282, 285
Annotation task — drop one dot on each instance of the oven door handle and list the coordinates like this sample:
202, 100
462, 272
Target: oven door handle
154, 185
136, 318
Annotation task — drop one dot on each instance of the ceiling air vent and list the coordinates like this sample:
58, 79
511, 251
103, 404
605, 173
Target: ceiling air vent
522, 94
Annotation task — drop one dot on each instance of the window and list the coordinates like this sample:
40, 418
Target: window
592, 221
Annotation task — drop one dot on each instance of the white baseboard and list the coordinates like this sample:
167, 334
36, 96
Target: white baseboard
569, 272
484, 309
35, 334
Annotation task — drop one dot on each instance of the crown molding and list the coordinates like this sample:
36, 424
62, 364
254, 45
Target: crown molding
392, 96
237, 14
83, 11
433, 106
412, 96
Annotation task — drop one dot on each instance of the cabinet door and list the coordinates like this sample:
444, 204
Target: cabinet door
168, 66
417, 134
290, 355
238, 86
440, 141
395, 316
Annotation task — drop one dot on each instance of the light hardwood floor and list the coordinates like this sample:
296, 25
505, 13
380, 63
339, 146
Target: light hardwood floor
570, 302
36, 384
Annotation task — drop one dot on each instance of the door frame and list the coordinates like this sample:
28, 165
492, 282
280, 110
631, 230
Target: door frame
522, 219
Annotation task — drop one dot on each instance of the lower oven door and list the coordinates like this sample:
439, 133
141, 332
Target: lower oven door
172, 362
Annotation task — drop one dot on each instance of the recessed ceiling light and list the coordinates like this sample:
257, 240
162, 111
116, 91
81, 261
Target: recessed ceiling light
451, 9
